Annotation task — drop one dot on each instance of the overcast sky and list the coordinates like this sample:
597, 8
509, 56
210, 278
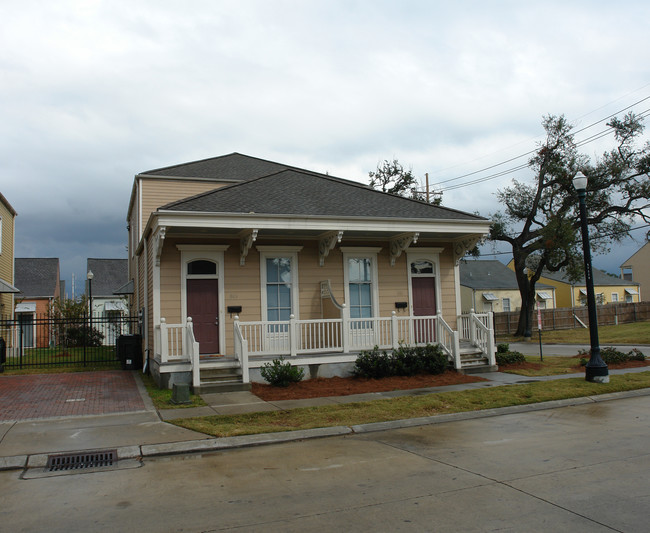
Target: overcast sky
94, 92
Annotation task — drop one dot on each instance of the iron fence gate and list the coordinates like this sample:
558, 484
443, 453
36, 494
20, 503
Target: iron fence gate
45, 341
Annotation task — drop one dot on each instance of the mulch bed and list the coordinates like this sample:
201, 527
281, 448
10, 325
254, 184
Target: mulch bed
322, 387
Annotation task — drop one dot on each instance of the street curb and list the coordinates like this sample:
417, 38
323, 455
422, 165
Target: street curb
223, 443
211, 444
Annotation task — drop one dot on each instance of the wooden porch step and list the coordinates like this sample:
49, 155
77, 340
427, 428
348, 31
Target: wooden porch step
221, 379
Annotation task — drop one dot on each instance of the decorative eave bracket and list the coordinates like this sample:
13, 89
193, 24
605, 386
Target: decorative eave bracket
327, 243
462, 246
245, 244
158, 244
401, 243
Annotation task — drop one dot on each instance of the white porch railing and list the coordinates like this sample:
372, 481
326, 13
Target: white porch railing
478, 329
176, 342
337, 335
170, 341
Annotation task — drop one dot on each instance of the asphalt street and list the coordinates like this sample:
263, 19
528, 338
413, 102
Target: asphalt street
581, 468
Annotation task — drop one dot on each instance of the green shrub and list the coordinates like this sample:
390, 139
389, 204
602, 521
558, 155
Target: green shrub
281, 374
509, 358
612, 356
405, 361
503, 347
372, 364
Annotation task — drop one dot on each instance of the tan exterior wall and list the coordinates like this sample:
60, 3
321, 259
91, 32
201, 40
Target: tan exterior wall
607, 293
640, 265
6, 258
158, 192
242, 285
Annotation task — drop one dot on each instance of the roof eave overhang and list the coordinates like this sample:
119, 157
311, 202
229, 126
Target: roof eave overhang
313, 222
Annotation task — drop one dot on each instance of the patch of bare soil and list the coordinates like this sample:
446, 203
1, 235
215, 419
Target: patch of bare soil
322, 387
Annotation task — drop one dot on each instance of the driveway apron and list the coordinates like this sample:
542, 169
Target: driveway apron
78, 393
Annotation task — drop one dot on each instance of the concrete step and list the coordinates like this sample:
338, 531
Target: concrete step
209, 387
220, 374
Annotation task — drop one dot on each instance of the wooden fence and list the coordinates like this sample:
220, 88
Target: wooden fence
565, 318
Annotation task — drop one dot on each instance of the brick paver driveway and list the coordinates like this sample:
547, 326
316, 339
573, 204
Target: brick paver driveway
78, 393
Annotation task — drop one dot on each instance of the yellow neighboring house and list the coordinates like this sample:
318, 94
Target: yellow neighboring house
7, 289
608, 288
491, 286
637, 268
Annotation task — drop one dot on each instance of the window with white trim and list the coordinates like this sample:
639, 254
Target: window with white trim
279, 282
278, 288
360, 287
614, 297
360, 276
506, 305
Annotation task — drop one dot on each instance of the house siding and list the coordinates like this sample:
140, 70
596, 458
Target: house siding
158, 192
243, 287
6, 257
640, 265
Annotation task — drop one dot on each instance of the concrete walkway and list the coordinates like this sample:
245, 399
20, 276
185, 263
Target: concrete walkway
144, 432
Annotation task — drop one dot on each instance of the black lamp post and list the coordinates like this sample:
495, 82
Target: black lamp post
596, 370
90, 277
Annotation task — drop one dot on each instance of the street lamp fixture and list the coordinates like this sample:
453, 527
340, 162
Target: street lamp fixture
90, 277
596, 370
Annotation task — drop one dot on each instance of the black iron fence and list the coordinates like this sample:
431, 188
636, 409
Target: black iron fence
31, 340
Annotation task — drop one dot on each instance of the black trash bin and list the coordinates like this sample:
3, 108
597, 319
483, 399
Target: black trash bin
129, 351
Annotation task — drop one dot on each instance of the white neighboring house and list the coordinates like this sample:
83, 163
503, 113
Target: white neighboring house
108, 275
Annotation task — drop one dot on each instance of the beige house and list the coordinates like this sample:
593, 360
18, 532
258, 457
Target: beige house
637, 269
7, 288
237, 260
490, 286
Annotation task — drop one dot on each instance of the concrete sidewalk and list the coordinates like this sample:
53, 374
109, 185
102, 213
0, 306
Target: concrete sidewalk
144, 432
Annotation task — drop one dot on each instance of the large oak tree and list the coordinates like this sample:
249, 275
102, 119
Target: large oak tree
540, 219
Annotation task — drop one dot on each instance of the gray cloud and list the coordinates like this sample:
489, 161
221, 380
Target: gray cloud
95, 92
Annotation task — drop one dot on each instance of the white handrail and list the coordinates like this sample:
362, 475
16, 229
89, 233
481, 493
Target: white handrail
448, 339
193, 353
241, 351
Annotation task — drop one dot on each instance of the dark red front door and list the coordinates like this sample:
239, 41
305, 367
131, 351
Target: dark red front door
203, 307
424, 304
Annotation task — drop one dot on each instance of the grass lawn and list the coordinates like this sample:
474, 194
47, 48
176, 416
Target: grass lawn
161, 398
634, 333
409, 407
551, 366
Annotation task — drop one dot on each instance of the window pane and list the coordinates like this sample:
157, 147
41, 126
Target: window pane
273, 315
364, 293
366, 312
272, 270
422, 267
201, 267
359, 269
272, 296
354, 294
284, 267
284, 314
284, 296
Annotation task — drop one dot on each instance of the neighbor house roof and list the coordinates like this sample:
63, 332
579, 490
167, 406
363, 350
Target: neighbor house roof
481, 275
7, 205
302, 193
600, 278
36, 277
108, 275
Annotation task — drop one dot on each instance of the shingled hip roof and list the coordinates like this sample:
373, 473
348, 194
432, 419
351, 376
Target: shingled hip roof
293, 192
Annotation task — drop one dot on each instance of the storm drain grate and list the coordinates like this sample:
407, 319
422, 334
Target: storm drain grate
79, 461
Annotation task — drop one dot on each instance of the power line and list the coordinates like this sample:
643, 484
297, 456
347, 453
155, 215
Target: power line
579, 143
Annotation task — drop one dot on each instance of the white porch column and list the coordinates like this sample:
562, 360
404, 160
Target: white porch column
164, 341
393, 330
293, 336
345, 328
